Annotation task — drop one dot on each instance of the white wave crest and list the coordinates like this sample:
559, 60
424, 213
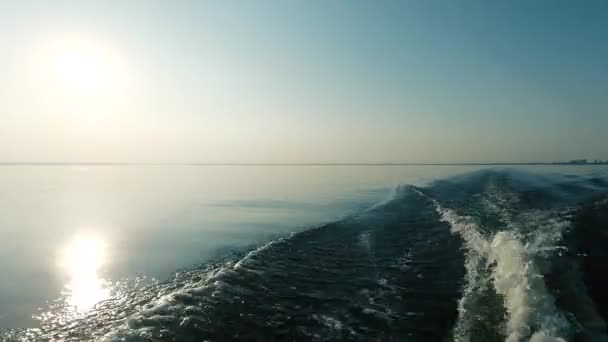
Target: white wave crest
513, 263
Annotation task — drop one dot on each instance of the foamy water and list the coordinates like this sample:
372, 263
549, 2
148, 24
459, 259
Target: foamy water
489, 255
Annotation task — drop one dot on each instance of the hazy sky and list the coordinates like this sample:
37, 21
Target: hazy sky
303, 81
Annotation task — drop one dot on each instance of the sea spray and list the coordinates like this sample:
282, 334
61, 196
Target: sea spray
510, 266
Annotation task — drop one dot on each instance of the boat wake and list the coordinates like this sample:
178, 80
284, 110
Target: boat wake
489, 256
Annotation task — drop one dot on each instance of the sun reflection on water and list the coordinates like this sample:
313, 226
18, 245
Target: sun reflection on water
82, 260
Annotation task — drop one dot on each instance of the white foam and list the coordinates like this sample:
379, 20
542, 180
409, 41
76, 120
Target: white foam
167, 306
513, 264
258, 250
330, 322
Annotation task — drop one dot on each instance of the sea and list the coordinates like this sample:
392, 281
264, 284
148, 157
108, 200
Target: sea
303, 253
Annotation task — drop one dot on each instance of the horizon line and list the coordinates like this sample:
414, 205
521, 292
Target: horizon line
600, 162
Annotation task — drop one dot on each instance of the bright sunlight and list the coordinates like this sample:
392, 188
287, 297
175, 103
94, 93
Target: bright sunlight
82, 260
82, 82
81, 67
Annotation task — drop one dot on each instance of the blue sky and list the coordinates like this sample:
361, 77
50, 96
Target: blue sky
307, 81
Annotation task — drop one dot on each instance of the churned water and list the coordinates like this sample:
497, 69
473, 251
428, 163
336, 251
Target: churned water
304, 253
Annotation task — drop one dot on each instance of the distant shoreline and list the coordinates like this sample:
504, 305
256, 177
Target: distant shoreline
288, 164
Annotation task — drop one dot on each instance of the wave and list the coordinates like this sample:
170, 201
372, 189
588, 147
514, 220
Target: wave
508, 264
489, 256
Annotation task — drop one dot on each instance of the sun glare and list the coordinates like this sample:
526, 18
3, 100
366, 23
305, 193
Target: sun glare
82, 70
82, 260
81, 67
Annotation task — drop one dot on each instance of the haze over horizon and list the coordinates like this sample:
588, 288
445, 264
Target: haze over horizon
303, 82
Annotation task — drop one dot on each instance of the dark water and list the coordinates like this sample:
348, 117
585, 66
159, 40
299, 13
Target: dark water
487, 256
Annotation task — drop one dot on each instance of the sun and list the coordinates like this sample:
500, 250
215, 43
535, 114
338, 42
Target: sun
82, 67
83, 81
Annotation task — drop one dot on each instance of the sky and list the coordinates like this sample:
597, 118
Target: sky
303, 81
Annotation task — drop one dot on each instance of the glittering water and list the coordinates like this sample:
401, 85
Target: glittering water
474, 257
